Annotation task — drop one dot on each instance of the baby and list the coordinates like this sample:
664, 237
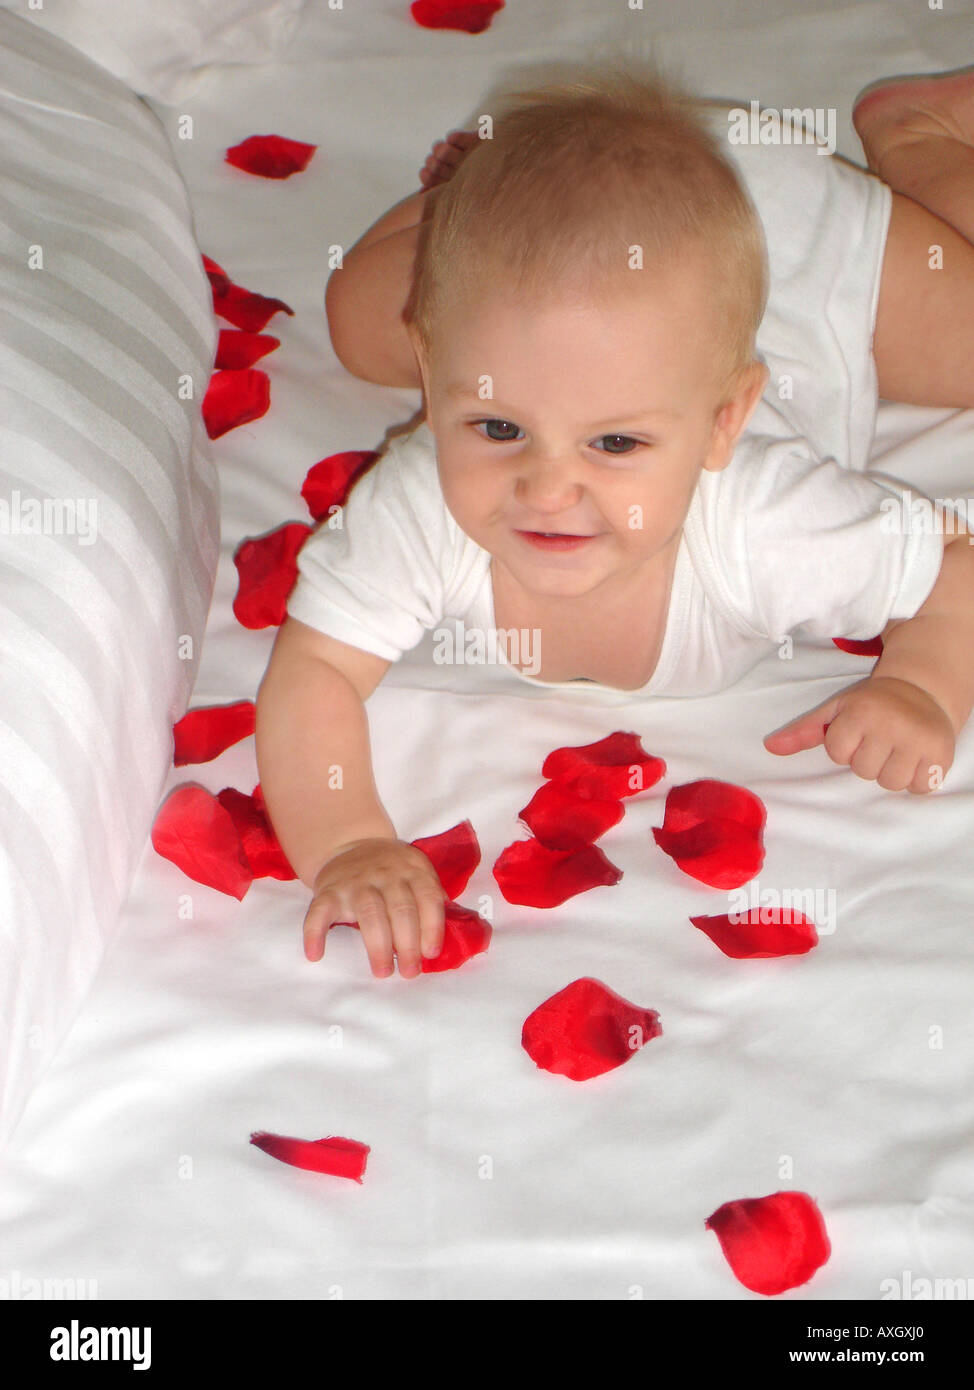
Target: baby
583, 319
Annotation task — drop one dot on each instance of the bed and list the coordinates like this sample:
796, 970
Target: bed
192, 1019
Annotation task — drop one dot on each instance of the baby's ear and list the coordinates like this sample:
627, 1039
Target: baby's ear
740, 402
750, 390
418, 350
422, 364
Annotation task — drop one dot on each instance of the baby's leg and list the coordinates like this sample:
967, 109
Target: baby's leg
918, 136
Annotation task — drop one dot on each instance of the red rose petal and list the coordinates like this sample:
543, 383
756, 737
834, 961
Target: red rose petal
473, 16
454, 853
607, 769
586, 1029
330, 480
530, 874
717, 852
562, 819
237, 350
714, 831
341, 1158
760, 932
217, 276
268, 570
244, 308
235, 398
270, 156
258, 799
693, 802
772, 1243
196, 833
204, 733
260, 845
465, 934
873, 646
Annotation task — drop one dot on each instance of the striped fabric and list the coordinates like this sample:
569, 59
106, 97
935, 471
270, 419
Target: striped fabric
159, 47
109, 518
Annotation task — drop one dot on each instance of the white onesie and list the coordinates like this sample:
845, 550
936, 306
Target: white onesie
779, 541
825, 223
775, 542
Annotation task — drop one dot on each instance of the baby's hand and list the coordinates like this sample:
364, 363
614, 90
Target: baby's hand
886, 729
392, 890
444, 159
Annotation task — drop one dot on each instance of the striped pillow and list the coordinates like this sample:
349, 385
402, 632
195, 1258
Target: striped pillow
160, 47
109, 518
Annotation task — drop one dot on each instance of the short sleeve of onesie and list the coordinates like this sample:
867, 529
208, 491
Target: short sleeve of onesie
785, 541
377, 582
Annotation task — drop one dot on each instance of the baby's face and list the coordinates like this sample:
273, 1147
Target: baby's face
585, 420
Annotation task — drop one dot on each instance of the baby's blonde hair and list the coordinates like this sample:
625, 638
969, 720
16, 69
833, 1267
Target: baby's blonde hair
577, 172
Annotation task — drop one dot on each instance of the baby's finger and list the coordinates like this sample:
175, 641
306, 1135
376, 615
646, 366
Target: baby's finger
432, 907
404, 918
443, 160
373, 922
433, 172
868, 759
899, 771
317, 922
842, 739
432, 165
929, 776
463, 139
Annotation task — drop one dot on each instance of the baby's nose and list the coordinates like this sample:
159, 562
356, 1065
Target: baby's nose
548, 477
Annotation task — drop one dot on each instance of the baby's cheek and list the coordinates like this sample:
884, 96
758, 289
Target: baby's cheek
643, 529
652, 510
473, 502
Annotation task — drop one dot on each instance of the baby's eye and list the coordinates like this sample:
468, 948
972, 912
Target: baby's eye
504, 424
625, 438
505, 431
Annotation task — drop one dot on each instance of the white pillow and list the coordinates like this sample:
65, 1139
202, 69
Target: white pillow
157, 47
104, 310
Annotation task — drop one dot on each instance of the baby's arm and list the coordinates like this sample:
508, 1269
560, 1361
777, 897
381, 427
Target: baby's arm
311, 721
898, 726
366, 295
934, 649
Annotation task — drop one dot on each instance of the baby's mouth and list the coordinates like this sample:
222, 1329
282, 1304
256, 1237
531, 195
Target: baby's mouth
555, 540
556, 531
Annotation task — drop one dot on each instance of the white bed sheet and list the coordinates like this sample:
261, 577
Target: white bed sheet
131, 1168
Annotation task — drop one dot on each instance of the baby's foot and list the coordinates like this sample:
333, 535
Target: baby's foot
444, 158
902, 110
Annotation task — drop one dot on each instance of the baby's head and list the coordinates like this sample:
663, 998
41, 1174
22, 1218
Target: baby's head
584, 313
